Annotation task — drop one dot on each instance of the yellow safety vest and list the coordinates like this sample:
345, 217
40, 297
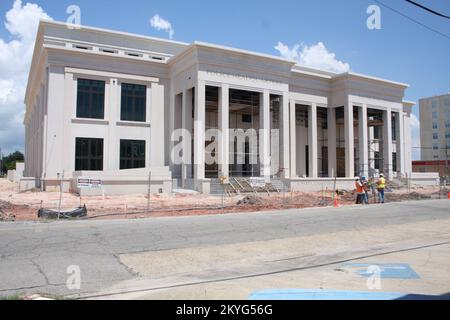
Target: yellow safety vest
381, 183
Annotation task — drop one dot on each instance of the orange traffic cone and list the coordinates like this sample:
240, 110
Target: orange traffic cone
448, 196
336, 202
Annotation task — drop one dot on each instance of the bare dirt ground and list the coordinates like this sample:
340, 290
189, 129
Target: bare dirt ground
16, 206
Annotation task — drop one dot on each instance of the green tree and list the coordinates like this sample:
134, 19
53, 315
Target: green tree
9, 162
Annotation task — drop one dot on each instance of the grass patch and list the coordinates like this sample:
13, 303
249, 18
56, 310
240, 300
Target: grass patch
11, 298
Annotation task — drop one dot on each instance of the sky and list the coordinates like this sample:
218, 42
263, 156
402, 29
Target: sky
326, 34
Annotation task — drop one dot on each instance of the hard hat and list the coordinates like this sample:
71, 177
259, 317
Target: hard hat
381, 175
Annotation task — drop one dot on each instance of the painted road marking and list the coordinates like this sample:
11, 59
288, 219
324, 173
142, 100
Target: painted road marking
300, 294
303, 294
387, 270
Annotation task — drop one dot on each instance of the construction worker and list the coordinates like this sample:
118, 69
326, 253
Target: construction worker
366, 188
381, 186
359, 191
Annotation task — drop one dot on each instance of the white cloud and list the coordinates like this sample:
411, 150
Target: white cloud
314, 56
415, 137
21, 21
159, 23
415, 122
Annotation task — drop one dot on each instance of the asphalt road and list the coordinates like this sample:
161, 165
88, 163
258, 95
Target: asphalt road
34, 257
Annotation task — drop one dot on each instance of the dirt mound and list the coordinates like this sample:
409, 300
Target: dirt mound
6, 211
9, 211
416, 196
251, 200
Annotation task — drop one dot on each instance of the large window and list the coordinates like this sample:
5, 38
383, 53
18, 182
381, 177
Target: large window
88, 154
132, 154
133, 106
91, 99
394, 161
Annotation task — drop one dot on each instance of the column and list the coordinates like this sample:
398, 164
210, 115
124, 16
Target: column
407, 146
312, 141
264, 134
187, 125
293, 139
68, 112
349, 140
157, 126
331, 123
363, 142
400, 142
224, 131
284, 135
113, 114
387, 143
199, 131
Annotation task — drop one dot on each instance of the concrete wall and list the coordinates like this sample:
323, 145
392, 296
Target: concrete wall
17, 174
314, 185
425, 179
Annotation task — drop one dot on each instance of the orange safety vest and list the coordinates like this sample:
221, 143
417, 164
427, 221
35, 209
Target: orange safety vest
359, 187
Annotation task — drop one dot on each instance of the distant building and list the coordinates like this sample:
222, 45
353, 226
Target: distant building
440, 166
435, 128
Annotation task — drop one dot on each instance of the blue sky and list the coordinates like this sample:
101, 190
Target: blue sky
401, 51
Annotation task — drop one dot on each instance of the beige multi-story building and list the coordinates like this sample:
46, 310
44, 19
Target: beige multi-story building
111, 106
435, 128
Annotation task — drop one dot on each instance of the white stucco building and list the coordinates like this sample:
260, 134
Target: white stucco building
105, 104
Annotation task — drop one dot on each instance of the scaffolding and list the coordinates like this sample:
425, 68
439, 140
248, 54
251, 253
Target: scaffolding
375, 123
322, 142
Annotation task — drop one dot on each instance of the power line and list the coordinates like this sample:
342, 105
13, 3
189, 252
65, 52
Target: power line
428, 9
413, 20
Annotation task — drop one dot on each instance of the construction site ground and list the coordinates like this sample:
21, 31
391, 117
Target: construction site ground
23, 206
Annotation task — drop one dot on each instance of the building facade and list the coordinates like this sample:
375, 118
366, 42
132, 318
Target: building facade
133, 111
435, 128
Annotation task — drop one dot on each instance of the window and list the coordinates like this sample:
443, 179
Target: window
447, 135
394, 161
377, 160
88, 154
134, 102
394, 129
132, 154
435, 136
376, 133
435, 115
247, 118
435, 125
435, 147
91, 99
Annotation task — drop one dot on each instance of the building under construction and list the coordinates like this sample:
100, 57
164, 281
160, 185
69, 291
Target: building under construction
106, 105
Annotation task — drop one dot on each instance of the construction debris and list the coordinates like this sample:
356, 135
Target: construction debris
7, 212
251, 200
15, 206
55, 214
